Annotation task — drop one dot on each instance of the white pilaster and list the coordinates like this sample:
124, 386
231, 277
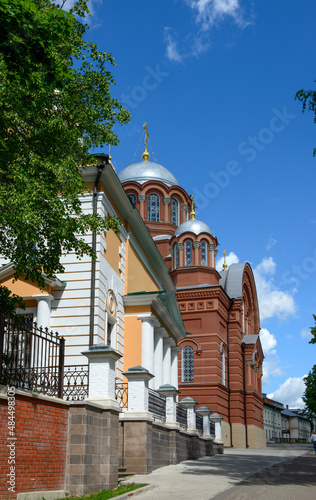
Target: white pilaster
166, 376
174, 365
158, 357
148, 345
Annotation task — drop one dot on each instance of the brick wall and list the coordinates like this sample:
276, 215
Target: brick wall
41, 426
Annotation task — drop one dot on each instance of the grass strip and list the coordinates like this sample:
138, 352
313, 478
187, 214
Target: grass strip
106, 494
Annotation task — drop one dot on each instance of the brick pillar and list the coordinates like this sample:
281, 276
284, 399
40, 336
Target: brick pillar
92, 449
205, 413
190, 404
102, 359
218, 442
93, 438
170, 392
138, 378
136, 423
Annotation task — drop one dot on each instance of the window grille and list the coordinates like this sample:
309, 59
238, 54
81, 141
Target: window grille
174, 211
188, 253
153, 207
176, 257
132, 197
203, 253
187, 364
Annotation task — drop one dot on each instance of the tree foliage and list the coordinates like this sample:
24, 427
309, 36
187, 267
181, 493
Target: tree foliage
313, 332
55, 106
308, 100
309, 396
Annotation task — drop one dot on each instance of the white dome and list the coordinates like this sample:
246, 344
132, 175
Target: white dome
194, 226
147, 171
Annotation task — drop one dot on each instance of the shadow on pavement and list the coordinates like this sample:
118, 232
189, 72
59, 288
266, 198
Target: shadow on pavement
298, 470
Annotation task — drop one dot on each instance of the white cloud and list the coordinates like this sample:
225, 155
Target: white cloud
271, 361
268, 341
290, 392
231, 258
306, 334
208, 12
272, 301
190, 47
171, 47
271, 243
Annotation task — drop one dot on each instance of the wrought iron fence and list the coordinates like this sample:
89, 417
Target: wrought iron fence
31, 358
121, 393
181, 416
76, 383
199, 423
157, 405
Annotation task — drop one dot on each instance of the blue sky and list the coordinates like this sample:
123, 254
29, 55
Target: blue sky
215, 80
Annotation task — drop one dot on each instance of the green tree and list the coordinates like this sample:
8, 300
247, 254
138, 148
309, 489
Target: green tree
309, 396
308, 99
313, 332
55, 107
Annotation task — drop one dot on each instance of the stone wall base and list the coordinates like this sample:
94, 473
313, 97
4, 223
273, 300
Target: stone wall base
92, 453
146, 445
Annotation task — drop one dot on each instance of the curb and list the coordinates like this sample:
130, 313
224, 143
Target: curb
130, 494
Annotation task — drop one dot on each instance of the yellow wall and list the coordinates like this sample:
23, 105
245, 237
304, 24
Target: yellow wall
24, 288
138, 278
132, 342
112, 256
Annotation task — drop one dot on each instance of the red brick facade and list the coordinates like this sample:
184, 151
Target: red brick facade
223, 320
41, 428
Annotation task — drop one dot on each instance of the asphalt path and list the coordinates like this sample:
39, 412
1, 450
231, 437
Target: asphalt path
287, 473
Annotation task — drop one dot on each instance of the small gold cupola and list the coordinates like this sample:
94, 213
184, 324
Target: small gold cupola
192, 214
224, 263
145, 154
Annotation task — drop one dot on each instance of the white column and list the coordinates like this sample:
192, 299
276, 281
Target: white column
158, 357
166, 376
174, 365
43, 310
148, 345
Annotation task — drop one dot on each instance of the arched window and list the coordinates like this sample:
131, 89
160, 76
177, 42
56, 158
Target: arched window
176, 256
174, 211
187, 364
203, 253
188, 253
132, 197
153, 207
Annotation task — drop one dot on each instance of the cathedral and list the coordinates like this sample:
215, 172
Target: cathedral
156, 298
220, 358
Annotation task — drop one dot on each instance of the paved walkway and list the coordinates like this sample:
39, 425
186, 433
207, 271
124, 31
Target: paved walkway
216, 477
